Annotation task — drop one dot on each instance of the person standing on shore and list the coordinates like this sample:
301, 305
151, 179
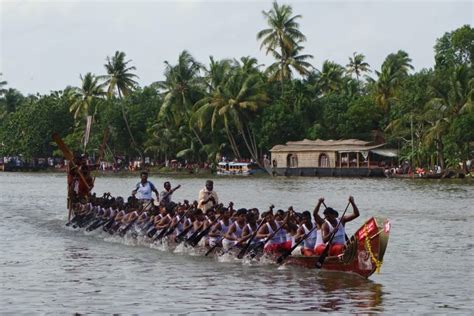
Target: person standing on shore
207, 196
144, 188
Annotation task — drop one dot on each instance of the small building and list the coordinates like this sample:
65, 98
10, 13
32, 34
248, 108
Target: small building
349, 157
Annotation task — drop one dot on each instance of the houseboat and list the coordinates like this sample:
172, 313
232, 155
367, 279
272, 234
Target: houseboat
339, 158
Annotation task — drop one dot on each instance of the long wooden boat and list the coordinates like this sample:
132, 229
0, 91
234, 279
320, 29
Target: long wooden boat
363, 254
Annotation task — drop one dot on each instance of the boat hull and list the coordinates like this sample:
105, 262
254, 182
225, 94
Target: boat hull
363, 254
329, 172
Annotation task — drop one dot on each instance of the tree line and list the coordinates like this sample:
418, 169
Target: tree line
239, 108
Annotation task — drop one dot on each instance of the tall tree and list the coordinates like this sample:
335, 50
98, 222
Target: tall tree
330, 78
85, 98
357, 65
282, 69
2, 84
232, 105
121, 80
394, 70
181, 88
456, 47
451, 98
282, 39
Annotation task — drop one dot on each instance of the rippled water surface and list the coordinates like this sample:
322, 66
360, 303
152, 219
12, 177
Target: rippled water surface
48, 268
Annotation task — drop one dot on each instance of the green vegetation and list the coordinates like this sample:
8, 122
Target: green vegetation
239, 108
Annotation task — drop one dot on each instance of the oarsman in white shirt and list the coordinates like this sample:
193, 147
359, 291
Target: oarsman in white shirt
144, 188
207, 197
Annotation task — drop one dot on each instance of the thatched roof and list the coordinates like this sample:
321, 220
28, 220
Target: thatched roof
342, 145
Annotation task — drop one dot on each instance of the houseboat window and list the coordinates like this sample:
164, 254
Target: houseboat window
292, 161
323, 160
274, 163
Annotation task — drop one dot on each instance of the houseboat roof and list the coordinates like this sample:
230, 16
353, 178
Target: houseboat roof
342, 145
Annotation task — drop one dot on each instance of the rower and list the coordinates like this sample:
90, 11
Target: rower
331, 221
144, 188
182, 218
221, 227
319, 223
166, 221
235, 230
272, 225
249, 229
304, 229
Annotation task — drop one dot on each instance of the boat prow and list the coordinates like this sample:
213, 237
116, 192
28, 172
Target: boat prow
363, 253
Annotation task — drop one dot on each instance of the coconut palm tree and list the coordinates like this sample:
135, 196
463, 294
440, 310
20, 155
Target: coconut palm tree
232, 105
450, 99
2, 84
217, 72
330, 78
282, 39
357, 65
181, 89
84, 99
282, 69
247, 65
394, 70
121, 81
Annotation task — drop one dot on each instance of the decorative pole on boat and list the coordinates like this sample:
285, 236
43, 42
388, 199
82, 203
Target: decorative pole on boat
70, 157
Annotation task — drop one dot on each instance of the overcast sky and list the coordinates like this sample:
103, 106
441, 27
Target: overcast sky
46, 45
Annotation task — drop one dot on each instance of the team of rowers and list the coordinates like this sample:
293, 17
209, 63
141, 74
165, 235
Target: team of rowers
207, 223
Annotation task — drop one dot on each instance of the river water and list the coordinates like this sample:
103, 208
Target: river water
47, 268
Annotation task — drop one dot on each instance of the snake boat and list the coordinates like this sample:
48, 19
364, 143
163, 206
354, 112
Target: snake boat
362, 255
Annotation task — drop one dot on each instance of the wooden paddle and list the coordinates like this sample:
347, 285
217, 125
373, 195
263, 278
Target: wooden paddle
69, 156
243, 251
288, 252
193, 242
170, 192
262, 243
127, 227
214, 247
172, 228
322, 257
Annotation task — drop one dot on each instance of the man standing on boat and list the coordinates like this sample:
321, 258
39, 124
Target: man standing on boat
167, 193
207, 197
144, 188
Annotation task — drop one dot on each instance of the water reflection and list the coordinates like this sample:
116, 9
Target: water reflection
297, 289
